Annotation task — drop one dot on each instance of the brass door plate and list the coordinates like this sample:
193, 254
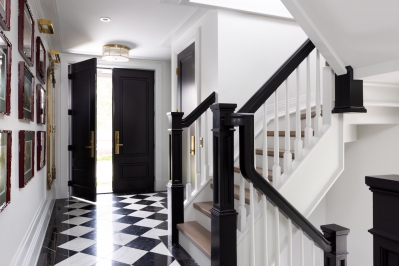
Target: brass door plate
201, 142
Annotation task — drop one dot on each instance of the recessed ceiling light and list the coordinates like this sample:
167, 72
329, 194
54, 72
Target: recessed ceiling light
105, 19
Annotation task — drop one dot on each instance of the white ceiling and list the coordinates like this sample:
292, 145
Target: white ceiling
360, 33
144, 25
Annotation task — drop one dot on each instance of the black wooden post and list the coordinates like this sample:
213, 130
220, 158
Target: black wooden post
337, 235
175, 187
224, 216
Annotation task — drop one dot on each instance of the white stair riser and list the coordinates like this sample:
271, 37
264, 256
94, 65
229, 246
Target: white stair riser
270, 162
203, 220
194, 252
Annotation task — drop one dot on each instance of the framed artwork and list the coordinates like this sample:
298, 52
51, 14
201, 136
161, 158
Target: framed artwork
5, 168
5, 74
41, 149
5, 14
40, 60
26, 29
26, 157
25, 93
40, 104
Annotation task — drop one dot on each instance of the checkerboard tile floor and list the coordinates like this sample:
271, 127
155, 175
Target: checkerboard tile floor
117, 230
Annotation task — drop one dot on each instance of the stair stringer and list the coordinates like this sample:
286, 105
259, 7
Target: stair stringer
318, 170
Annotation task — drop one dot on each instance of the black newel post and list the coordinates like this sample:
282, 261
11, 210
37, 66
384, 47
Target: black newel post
224, 216
337, 235
175, 186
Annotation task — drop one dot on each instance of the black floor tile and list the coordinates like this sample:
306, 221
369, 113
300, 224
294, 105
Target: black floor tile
158, 216
151, 209
143, 243
124, 211
129, 220
145, 202
101, 249
135, 230
154, 259
163, 226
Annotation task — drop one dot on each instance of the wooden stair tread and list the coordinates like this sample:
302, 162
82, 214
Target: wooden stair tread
270, 152
197, 234
204, 207
282, 134
237, 194
259, 170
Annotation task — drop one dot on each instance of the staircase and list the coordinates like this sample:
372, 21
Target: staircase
268, 230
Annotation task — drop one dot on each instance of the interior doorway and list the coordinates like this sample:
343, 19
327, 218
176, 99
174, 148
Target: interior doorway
104, 130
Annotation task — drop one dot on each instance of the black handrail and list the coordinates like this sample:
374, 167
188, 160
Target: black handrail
246, 132
260, 97
197, 112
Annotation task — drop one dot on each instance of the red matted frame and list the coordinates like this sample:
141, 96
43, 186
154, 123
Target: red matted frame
40, 148
5, 21
8, 178
22, 182
39, 101
8, 82
22, 68
23, 4
41, 69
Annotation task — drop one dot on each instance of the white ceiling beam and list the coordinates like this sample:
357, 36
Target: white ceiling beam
316, 36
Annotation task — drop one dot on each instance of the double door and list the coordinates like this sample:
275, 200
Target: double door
133, 130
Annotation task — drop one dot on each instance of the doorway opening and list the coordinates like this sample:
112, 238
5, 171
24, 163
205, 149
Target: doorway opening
104, 130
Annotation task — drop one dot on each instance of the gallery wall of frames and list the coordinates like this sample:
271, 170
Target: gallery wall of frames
27, 98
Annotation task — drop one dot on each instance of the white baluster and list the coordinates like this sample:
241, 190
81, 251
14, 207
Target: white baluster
308, 128
328, 89
289, 242
302, 248
298, 141
277, 218
265, 251
264, 157
287, 153
318, 122
205, 173
241, 209
313, 253
197, 171
252, 214
276, 166
188, 185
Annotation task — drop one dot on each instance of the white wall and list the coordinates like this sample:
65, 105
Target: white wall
162, 106
24, 221
349, 202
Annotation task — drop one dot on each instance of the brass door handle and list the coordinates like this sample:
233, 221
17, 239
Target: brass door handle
192, 146
117, 145
91, 147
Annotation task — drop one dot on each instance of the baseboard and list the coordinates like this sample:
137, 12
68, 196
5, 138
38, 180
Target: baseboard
29, 250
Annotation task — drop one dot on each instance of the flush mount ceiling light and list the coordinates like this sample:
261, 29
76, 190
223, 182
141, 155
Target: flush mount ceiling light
105, 19
115, 53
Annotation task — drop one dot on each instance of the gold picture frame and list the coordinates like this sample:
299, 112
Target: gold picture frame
51, 129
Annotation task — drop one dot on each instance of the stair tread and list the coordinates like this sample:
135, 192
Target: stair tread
197, 234
204, 207
237, 194
270, 133
270, 152
259, 170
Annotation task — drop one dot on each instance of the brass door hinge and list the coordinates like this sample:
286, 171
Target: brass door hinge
177, 71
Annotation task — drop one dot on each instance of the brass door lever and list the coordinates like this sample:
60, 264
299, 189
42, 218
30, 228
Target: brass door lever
91, 147
117, 145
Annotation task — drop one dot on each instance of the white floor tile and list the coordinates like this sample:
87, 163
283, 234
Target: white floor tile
135, 206
148, 223
127, 255
175, 263
157, 204
113, 226
161, 249
130, 200
122, 239
142, 214
153, 198
126, 196
78, 244
105, 262
164, 211
77, 231
77, 212
79, 259
77, 205
155, 233
77, 220
149, 194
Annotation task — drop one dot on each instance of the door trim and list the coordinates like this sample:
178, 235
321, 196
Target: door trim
161, 88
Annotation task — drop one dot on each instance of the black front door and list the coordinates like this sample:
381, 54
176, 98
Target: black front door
83, 122
133, 131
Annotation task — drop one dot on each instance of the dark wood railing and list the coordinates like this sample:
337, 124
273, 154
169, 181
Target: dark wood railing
176, 198
224, 240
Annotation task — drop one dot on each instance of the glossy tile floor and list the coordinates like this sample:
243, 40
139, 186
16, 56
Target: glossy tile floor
117, 230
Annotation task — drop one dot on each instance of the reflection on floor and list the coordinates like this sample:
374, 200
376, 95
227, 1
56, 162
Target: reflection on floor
117, 230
